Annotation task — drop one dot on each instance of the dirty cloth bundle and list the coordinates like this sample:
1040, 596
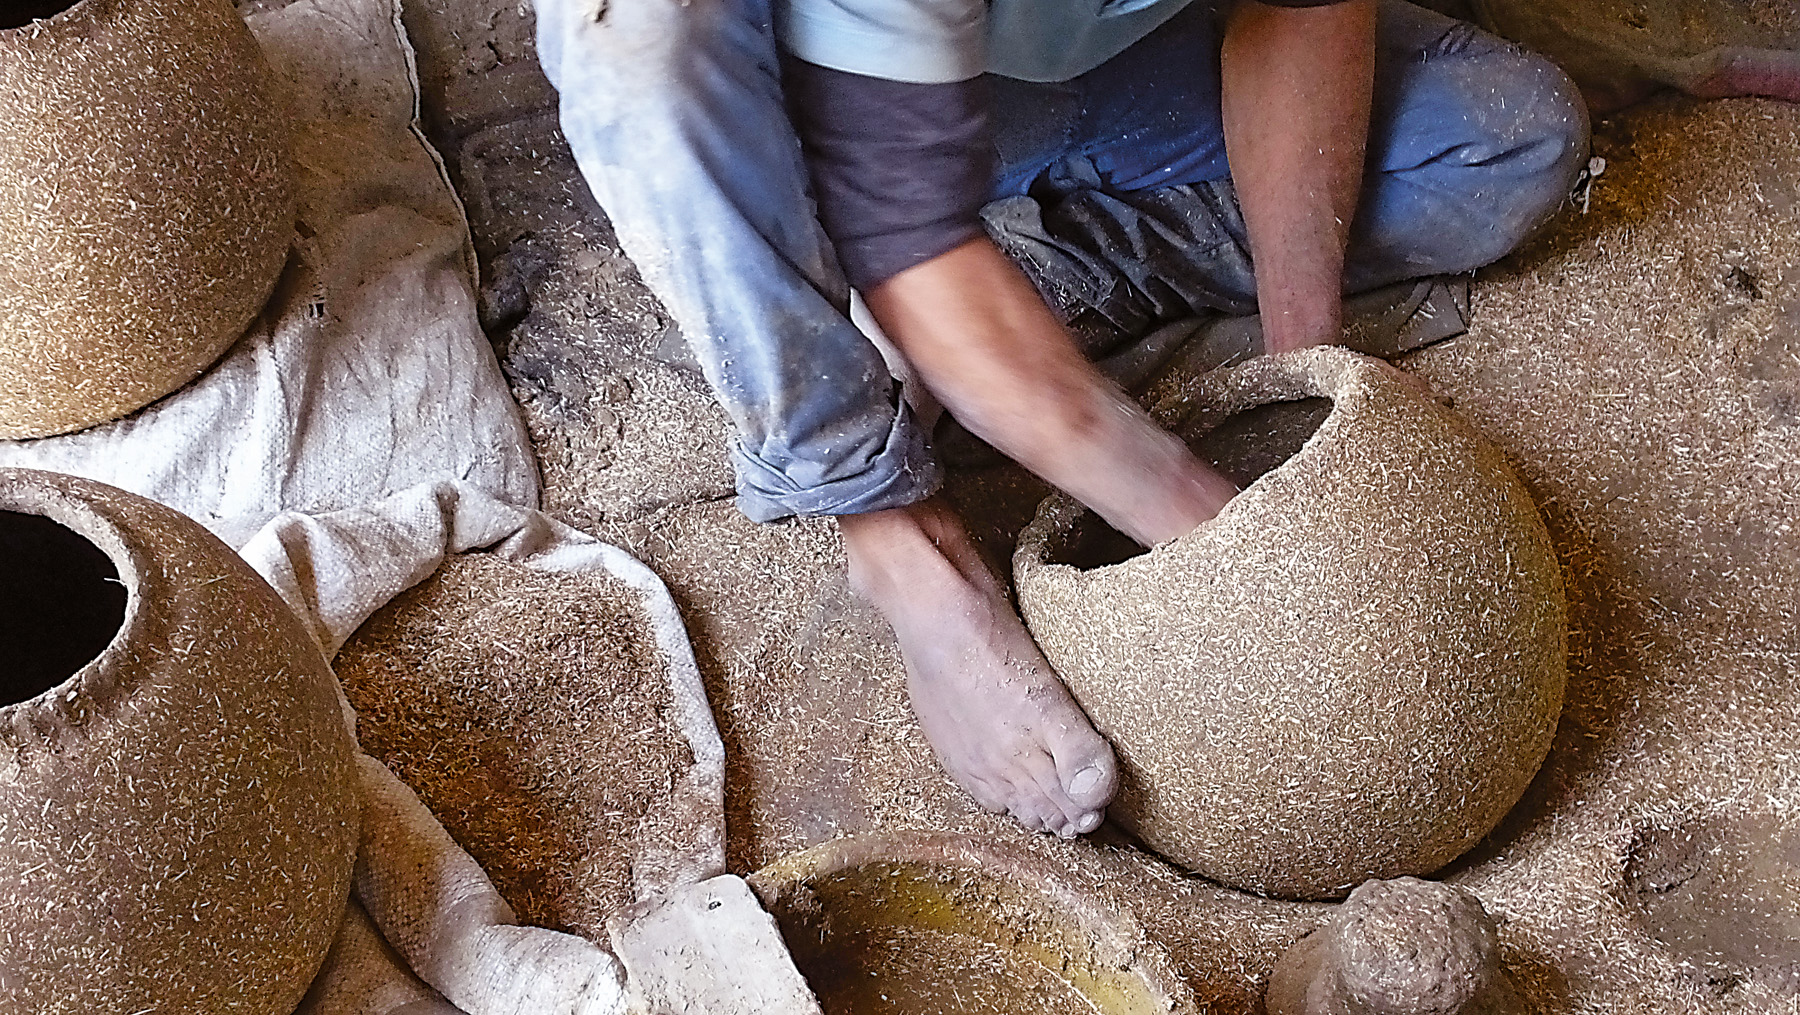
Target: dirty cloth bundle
358, 433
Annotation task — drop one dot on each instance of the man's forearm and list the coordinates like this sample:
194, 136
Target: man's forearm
981, 339
1296, 94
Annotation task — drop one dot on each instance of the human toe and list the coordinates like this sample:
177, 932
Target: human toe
1072, 812
1087, 772
987, 796
1037, 812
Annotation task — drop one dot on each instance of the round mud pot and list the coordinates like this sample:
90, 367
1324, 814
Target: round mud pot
178, 814
926, 923
1352, 672
145, 204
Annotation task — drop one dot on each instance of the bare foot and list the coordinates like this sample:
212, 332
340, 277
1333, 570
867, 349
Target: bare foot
997, 717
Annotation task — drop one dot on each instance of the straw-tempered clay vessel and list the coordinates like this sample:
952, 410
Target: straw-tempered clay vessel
144, 203
178, 811
1353, 672
923, 923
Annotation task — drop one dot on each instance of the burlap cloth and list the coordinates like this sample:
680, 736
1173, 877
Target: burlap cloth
361, 429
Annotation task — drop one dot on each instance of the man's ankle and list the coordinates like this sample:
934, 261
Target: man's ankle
897, 553
884, 548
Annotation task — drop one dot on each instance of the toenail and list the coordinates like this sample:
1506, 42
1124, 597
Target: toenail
1088, 822
1084, 781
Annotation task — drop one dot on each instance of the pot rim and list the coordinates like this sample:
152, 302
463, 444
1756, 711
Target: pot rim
1108, 921
80, 10
1206, 401
54, 496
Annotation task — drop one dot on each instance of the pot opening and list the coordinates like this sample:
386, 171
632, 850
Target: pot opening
1248, 445
903, 938
19, 13
61, 604
1245, 446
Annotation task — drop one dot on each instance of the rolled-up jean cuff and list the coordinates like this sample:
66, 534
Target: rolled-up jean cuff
905, 472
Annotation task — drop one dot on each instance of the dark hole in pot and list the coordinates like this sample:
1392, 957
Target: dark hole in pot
61, 603
19, 13
1244, 446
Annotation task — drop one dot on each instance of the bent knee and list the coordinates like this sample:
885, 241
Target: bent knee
1535, 113
1536, 139
1517, 142
639, 50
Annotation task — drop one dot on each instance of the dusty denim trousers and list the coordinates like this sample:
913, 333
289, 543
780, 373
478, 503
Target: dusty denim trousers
1111, 188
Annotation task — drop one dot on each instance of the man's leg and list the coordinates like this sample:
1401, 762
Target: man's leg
997, 715
674, 111
1473, 143
1115, 194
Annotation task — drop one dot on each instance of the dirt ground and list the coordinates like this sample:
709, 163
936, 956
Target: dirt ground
1640, 364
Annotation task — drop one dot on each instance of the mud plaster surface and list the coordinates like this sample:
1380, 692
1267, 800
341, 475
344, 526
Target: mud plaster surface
619, 416
1642, 365
1639, 366
530, 712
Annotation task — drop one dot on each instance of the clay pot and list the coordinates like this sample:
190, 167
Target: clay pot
922, 922
178, 812
144, 203
1353, 672
1620, 51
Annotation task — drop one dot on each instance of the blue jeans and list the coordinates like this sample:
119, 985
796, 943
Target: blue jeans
674, 111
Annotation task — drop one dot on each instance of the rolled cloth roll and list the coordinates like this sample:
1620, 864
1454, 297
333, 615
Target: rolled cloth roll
144, 203
1352, 672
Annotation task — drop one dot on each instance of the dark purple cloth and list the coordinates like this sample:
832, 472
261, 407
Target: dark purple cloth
900, 171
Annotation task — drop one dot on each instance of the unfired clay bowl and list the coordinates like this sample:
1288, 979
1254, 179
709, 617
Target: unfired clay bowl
918, 923
144, 204
178, 812
1353, 672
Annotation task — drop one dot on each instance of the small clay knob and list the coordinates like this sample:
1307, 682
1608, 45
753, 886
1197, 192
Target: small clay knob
1400, 947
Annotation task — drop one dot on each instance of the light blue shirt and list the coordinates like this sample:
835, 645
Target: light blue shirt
940, 41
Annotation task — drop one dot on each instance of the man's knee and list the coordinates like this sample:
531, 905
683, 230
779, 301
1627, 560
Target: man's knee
1537, 129
647, 51
1486, 148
